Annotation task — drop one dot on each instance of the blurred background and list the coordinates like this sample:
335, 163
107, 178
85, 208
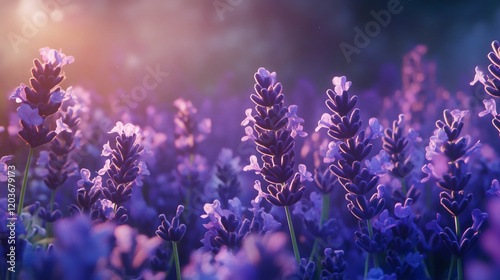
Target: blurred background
211, 48
201, 42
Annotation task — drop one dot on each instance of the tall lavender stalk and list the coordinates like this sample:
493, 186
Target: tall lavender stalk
42, 100
276, 127
352, 147
125, 167
456, 150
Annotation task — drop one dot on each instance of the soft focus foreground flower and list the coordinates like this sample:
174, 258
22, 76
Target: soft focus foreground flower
81, 247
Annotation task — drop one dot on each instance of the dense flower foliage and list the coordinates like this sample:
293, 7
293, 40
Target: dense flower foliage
398, 195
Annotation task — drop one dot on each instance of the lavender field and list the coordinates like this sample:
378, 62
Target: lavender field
234, 139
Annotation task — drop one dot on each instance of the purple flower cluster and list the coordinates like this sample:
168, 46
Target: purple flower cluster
113, 221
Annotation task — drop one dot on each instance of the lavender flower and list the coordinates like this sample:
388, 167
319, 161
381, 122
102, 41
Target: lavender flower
226, 176
395, 144
172, 231
125, 167
276, 127
188, 132
333, 265
454, 198
43, 98
87, 194
61, 165
225, 228
344, 125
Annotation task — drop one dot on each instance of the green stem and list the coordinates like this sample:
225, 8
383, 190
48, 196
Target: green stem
292, 235
315, 245
177, 265
366, 264
169, 265
25, 180
115, 207
452, 266
370, 231
457, 228
325, 209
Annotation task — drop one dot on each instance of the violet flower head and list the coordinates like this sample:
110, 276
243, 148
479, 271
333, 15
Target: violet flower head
225, 227
396, 145
353, 148
88, 193
125, 166
333, 265
61, 164
276, 126
460, 245
325, 181
43, 98
188, 130
226, 176
172, 231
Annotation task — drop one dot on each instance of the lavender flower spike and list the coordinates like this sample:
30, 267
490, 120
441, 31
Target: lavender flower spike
125, 165
172, 231
43, 98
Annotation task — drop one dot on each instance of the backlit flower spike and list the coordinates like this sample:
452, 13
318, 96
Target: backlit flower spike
173, 231
125, 167
491, 108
